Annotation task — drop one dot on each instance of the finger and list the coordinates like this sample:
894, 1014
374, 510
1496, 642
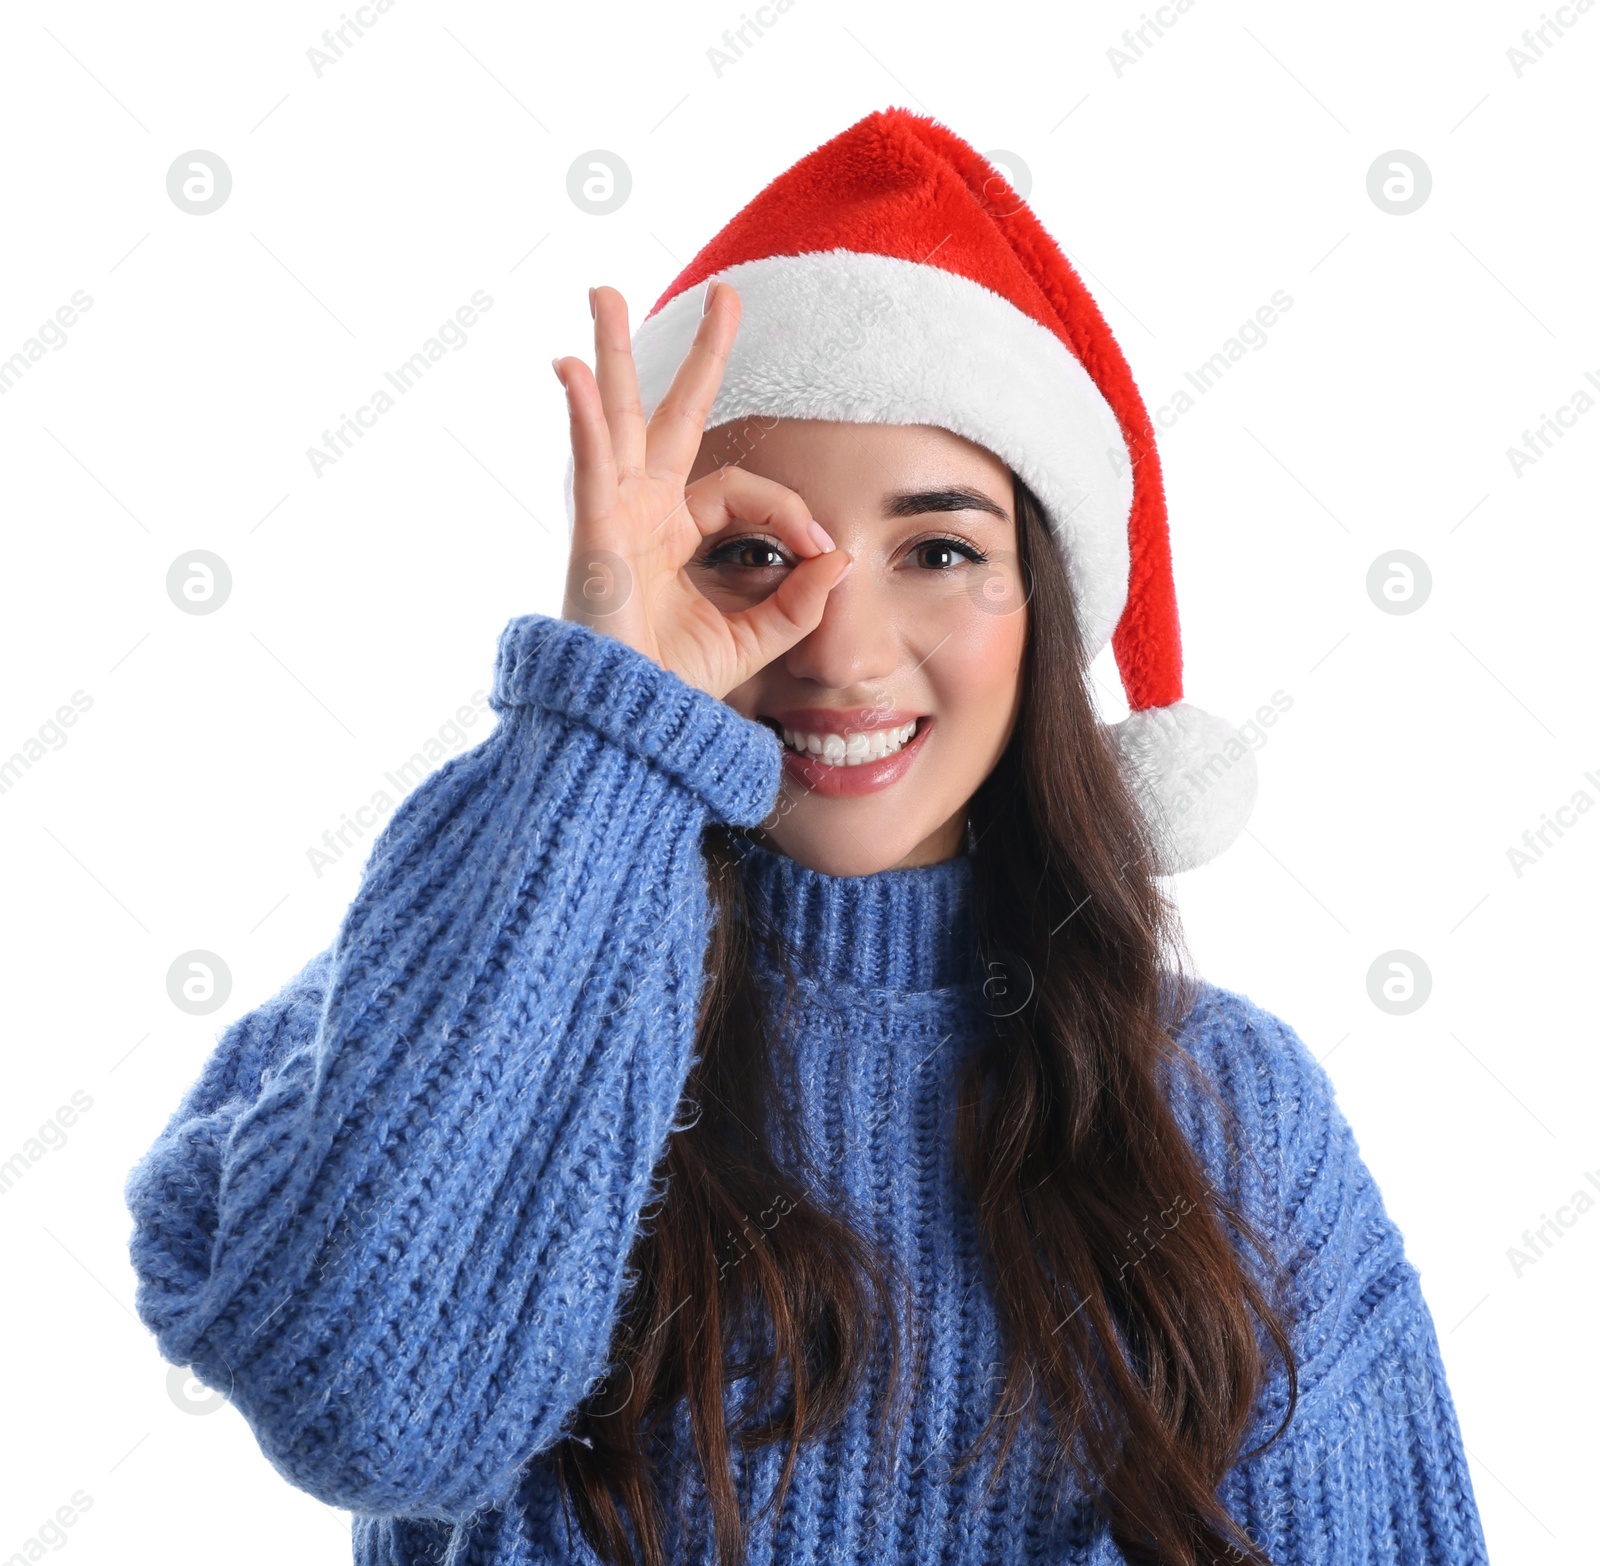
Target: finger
618, 380
770, 628
733, 495
672, 438
594, 469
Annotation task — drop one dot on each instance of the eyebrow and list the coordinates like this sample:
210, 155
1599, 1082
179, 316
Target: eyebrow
911, 503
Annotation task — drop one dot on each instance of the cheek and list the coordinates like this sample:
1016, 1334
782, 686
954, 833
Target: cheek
977, 673
746, 699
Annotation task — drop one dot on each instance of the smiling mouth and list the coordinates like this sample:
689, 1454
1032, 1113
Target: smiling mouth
855, 749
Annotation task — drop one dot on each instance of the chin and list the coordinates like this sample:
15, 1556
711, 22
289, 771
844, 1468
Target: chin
859, 847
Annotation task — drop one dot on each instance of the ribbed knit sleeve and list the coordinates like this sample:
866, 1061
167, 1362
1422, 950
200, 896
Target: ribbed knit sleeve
391, 1219
1371, 1469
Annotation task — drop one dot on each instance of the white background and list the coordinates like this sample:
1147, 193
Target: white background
1230, 161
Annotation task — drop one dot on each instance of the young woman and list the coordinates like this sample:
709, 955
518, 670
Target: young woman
754, 1109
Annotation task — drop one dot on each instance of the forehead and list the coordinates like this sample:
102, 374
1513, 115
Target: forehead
811, 453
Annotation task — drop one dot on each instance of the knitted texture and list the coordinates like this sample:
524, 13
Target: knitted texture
392, 1218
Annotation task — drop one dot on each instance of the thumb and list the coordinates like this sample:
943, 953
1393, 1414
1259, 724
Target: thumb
770, 628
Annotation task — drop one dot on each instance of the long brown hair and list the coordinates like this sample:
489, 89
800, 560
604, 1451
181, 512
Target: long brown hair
1146, 1353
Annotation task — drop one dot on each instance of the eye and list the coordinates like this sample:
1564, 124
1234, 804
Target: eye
940, 554
749, 554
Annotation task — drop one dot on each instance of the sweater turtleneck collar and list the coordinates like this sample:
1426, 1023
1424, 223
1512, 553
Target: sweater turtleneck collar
899, 930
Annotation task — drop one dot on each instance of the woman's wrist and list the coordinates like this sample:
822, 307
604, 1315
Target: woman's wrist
564, 667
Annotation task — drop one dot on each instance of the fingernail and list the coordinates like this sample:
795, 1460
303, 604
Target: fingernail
591, 305
705, 304
555, 364
820, 535
849, 566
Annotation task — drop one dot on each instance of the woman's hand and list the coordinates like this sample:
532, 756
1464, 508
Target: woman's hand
637, 526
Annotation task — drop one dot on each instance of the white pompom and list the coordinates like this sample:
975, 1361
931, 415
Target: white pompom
1194, 778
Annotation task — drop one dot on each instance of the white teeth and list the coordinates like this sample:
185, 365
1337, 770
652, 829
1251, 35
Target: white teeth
853, 749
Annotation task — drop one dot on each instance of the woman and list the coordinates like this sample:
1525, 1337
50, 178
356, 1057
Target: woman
753, 1108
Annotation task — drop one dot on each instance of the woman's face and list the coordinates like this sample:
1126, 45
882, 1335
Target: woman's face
898, 705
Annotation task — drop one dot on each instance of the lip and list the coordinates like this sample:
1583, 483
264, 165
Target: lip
843, 720
832, 782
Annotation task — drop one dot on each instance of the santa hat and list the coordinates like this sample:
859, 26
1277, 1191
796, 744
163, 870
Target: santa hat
893, 276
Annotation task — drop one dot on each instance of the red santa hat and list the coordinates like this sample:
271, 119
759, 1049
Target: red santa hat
893, 276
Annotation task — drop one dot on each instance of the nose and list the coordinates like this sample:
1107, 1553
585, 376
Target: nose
856, 642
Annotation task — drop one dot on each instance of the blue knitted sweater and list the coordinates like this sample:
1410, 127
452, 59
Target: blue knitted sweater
391, 1220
